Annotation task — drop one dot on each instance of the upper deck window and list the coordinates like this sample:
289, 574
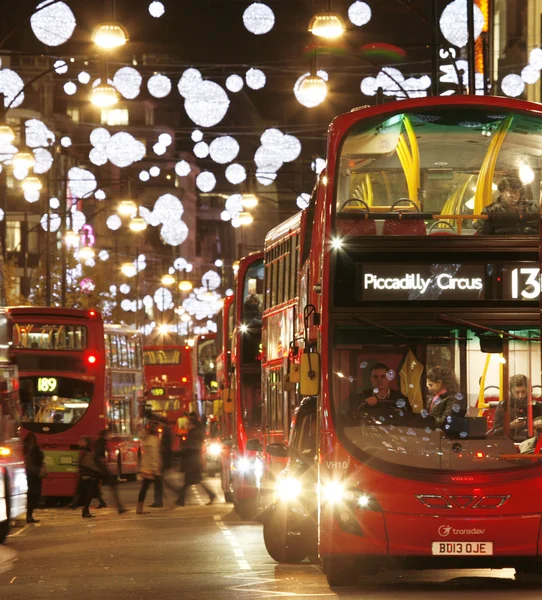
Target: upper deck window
445, 171
49, 336
162, 357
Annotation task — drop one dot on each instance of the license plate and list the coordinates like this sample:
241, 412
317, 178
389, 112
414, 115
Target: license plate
462, 548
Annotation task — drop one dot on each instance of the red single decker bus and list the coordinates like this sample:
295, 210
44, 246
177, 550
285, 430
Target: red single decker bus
168, 383
77, 378
242, 468
419, 293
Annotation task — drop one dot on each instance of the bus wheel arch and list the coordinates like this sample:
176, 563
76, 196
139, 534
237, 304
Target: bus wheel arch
276, 538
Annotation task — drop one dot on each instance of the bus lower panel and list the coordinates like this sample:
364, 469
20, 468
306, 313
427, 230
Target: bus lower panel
59, 484
370, 563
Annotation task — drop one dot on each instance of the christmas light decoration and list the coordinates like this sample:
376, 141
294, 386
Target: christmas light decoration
11, 85
163, 299
81, 182
154, 171
156, 9
37, 134
206, 104
359, 13
196, 135
54, 222
123, 149
201, 150
174, 233
127, 81
182, 168
165, 139
453, 23
512, 85
303, 200
159, 149
224, 149
60, 67
114, 222
255, 79
83, 77
258, 18
206, 181
31, 196
236, 173
234, 83
65, 141
159, 86
43, 160
53, 23
54, 203
144, 176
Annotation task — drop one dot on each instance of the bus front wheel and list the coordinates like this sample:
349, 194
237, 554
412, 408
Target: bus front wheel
277, 542
340, 572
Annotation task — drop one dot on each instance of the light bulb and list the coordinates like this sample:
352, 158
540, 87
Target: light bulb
327, 25
127, 208
109, 35
138, 224
185, 286
245, 218
312, 90
249, 200
31, 184
104, 95
6, 135
24, 160
168, 279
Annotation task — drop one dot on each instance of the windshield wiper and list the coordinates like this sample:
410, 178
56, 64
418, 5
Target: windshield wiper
450, 319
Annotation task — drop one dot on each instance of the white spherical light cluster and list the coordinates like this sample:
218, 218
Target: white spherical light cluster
258, 18
206, 181
359, 13
255, 79
37, 134
232, 208
530, 74
11, 86
236, 173
156, 9
114, 222
211, 280
60, 67
196, 135
83, 77
308, 101
70, 88
224, 149
122, 149
163, 299
144, 176
54, 222
201, 150
81, 182
276, 149
127, 81
235, 83
303, 200
453, 23
393, 83
154, 171
168, 211
512, 85
78, 219
44, 161
206, 103
182, 168
53, 23
159, 149
159, 85
31, 196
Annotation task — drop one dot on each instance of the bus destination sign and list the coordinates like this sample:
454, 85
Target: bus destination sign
158, 391
448, 282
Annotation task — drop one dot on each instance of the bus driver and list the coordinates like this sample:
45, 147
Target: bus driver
380, 393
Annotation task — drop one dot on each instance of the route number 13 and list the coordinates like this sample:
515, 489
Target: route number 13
530, 287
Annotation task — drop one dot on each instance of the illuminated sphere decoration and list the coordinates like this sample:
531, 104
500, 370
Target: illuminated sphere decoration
234, 204
54, 203
100, 195
114, 222
291, 148
255, 79
156, 9
318, 165
81, 182
70, 88
154, 171
189, 81
236, 173
206, 181
31, 196
224, 149
265, 177
127, 81
78, 220
225, 215
303, 201
60, 67
512, 85
97, 156
53, 23
530, 74
196, 135
174, 234
304, 98
43, 160
144, 176
201, 150
211, 280
159, 149
535, 58
99, 137
234, 83
453, 23
163, 299
54, 222
206, 104
159, 86
368, 86
83, 77
123, 149
11, 85
37, 134
168, 208
359, 13
165, 139
258, 18
182, 168
103, 255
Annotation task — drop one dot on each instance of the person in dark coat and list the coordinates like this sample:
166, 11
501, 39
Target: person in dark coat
34, 462
192, 463
89, 474
100, 454
443, 388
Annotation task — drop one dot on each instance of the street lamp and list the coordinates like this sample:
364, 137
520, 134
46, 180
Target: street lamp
312, 90
71, 238
31, 184
128, 269
249, 200
85, 253
104, 95
108, 36
138, 224
327, 24
185, 286
127, 208
245, 218
6, 134
23, 160
168, 279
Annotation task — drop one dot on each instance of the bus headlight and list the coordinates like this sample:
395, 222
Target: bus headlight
333, 492
214, 449
244, 465
288, 488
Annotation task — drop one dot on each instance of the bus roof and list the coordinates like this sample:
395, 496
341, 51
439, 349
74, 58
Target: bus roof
278, 232
53, 311
113, 327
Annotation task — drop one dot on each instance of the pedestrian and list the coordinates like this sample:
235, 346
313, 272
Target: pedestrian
151, 464
192, 462
166, 452
100, 454
34, 464
89, 474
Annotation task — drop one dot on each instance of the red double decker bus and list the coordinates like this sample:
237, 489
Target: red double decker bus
13, 483
77, 377
420, 291
205, 387
168, 383
241, 468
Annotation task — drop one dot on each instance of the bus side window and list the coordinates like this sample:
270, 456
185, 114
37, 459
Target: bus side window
114, 350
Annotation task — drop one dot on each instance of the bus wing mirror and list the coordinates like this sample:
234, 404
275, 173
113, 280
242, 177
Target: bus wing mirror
309, 384
277, 450
254, 445
227, 400
491, 344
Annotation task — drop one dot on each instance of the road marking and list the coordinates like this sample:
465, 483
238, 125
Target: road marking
253, 580
25, 527
242, 563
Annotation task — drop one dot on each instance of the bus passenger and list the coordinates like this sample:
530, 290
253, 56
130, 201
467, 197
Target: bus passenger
519, 405
533, 445
511, 200
443, 387
380, 393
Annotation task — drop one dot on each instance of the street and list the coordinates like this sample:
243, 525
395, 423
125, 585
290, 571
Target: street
195, 552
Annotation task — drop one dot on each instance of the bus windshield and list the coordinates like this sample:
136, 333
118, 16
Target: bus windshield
60, 401
49, 337
441, 167
251, 325
429, 398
